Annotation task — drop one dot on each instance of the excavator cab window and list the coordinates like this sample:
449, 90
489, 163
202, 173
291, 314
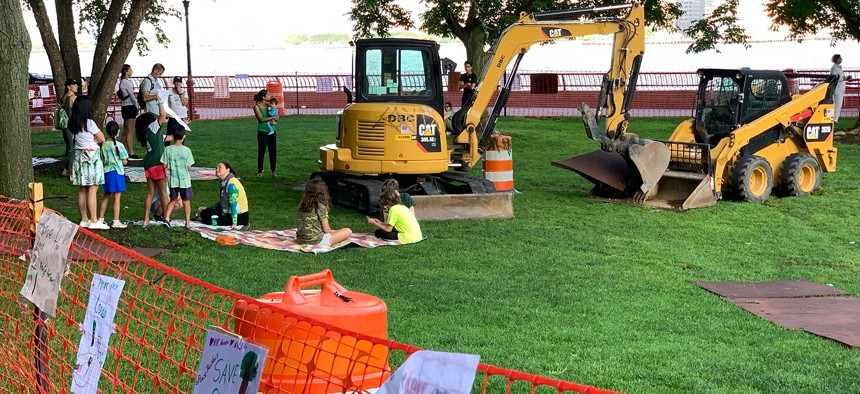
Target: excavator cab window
398, 72
717, 109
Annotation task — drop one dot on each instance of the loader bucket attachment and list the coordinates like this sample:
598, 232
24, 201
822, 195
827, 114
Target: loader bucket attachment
643, 177
680, 191
464, 206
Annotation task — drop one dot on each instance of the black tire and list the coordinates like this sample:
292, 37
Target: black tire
800, 175
752, 179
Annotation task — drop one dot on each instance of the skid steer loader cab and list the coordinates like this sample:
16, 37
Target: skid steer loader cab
729, 99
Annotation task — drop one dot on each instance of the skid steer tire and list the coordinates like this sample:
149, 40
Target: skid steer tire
800, 175
752, 179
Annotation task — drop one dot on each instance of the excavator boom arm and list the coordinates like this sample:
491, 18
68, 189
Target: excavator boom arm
530, 29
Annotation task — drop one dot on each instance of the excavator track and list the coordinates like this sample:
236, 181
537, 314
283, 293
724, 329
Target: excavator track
361, 192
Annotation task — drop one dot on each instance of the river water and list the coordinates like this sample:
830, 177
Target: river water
560, 56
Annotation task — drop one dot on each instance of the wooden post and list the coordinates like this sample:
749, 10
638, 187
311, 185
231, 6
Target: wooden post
40, 335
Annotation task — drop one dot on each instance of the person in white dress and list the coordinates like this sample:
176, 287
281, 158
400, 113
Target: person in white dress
839, 92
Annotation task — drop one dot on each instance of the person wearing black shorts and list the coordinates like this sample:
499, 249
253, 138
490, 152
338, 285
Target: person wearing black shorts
129, 108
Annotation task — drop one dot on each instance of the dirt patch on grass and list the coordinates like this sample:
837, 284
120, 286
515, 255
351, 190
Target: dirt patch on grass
848, 137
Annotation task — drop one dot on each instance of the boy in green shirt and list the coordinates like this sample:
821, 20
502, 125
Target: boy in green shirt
401, 224
178, 160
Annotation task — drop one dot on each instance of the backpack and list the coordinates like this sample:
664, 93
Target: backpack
140, 103
121, 94
61, 118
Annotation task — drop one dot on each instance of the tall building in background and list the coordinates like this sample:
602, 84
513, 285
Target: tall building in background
693, 11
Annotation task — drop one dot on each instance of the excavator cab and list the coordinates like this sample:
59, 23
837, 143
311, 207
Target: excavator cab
400, 71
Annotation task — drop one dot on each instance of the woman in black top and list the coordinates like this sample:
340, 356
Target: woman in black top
67, 100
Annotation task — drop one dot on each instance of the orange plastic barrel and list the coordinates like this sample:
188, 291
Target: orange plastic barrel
276, 90
317, 358
499, 162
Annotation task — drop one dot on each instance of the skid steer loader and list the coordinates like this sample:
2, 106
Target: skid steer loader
748, 136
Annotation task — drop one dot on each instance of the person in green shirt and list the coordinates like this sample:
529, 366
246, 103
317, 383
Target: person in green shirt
232, 209
177, 158
401, 224
312, 227
149, 134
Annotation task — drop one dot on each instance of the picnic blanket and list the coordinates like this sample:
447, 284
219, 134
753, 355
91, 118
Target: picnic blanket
135, 174
286, 240
180, 223
40, 161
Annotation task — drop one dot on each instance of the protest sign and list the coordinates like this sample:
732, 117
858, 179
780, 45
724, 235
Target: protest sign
48, 261
96, 329
229, 365
429, 372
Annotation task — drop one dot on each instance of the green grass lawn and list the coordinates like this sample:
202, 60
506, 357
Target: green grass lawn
572, 288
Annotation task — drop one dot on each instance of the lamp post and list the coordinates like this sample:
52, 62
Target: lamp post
188, 54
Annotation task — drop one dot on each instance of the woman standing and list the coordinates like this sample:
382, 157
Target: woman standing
129, 109
265, 134
232, 209
87, 169
839, 92
67, 100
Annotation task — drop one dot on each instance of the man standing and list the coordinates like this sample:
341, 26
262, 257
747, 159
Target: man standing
149, 88
468, 81
839, 92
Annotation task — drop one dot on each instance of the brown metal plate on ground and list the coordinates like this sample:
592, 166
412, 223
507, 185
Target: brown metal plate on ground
836, 318
608, 168
775, 289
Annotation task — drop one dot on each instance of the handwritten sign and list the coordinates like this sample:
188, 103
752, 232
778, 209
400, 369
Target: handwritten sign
428, 372
229, 365
48, 261
96, 329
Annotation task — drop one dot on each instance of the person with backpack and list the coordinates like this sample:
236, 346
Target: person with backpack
129, 108
67, 100
147, 96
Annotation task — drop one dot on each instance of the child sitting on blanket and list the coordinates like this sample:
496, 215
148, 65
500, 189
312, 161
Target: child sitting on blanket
405, 198
401, 224
312, 227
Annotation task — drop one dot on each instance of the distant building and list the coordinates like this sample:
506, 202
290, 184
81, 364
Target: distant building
694, 10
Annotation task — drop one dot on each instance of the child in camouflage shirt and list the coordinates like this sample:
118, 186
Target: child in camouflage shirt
312, 227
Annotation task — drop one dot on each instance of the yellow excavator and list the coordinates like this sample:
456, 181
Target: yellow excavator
393, 125
748, 137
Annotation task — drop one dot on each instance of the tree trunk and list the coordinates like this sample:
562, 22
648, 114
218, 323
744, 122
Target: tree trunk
103, 45
16, 167
52, 48
474, 42
102, 86
68, 40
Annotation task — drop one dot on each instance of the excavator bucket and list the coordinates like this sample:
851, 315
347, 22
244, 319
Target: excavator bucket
464, 206
639, 171
642, 177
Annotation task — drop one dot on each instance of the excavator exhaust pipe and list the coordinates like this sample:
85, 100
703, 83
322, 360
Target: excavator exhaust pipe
642, 177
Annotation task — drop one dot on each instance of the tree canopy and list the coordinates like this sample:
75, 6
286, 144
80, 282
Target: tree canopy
116, 26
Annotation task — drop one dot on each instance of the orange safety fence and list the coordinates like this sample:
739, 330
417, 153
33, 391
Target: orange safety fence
534, 94
161, 323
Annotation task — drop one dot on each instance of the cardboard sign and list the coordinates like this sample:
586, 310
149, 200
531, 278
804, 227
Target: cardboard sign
48, 261
429, 372
229, 365
96, 331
